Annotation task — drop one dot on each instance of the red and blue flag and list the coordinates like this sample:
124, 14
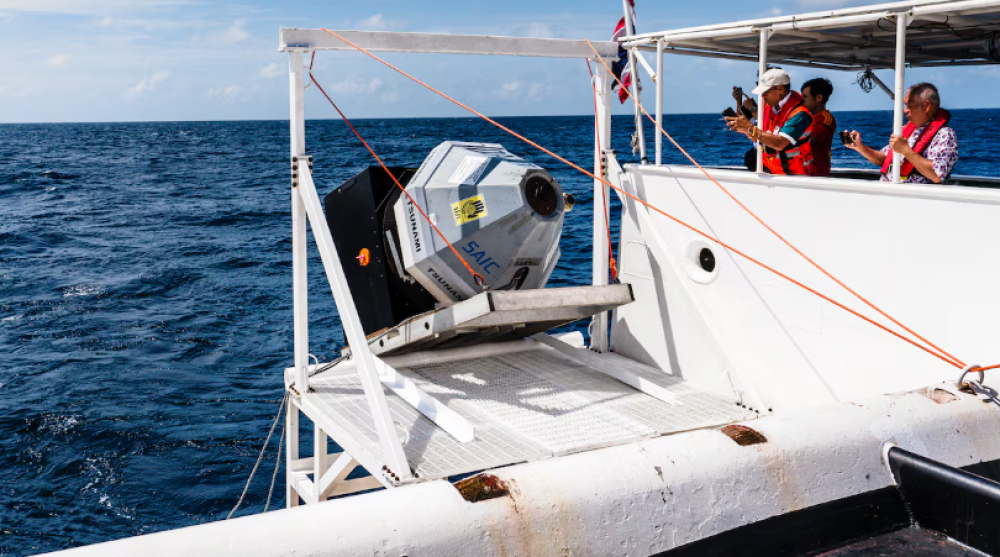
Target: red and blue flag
621, 67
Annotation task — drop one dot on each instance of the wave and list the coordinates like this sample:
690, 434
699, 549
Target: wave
53, 175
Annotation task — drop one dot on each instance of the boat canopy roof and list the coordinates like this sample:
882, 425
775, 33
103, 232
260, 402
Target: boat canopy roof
939, 33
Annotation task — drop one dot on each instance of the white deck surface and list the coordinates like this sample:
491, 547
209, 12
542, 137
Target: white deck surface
525, 405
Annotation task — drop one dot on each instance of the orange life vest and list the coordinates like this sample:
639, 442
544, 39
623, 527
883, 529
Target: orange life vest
797, 159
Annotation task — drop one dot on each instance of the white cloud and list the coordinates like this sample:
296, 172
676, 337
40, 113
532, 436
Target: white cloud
229, 94
58, 60
518, 89
236, 33
373, 23
148, 84
372, 89
354, 85
539, 91
271, 70
989, 71
85, 7
16, 88
541, 30
377, 22
817, 5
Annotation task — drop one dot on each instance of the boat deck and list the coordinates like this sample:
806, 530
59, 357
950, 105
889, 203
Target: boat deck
527, 401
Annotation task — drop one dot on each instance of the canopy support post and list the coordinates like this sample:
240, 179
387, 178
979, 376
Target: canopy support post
636, 99
902, 19
659, 102
761, 68
602, 140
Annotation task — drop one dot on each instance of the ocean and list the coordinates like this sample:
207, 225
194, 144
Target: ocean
146, 298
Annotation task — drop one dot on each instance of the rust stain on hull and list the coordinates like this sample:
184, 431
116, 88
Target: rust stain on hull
482, 487
743, 435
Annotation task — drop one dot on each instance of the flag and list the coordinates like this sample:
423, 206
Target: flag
621, 67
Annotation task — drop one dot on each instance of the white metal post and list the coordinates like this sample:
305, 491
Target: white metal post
599, 324
897, 116
659, 102
761, 68
291, 452
319, 455
636, 99
300, 279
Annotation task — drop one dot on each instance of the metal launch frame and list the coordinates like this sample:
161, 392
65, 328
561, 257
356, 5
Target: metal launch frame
436, 413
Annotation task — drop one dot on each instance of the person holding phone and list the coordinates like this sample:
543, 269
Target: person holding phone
786, 128
928, 144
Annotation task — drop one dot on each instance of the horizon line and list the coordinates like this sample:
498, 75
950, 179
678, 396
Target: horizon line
403, 118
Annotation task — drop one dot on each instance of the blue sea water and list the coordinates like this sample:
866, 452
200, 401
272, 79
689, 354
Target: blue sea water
145, 299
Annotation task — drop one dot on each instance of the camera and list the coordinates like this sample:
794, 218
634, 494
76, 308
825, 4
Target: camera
746, 111
845, 137
729, 112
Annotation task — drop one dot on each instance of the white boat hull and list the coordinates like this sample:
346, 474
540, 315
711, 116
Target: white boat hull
638, 499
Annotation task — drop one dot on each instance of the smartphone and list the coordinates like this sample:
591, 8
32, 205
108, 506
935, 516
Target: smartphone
729, 112
845, 137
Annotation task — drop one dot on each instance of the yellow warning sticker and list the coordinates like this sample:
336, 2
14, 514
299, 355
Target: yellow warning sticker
469, 209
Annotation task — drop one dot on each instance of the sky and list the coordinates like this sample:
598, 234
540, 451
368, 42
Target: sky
142, 60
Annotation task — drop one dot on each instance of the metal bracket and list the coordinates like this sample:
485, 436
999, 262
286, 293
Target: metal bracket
908, 15
295, 167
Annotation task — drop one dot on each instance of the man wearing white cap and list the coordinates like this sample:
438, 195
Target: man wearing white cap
786, 127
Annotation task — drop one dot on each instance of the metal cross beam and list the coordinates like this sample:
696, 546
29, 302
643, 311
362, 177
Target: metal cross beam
304, 40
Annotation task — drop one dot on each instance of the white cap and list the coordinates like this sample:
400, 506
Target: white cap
771, 78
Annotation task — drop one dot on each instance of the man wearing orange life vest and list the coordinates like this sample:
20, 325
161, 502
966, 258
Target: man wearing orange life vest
786, 128
815, 94
928, 144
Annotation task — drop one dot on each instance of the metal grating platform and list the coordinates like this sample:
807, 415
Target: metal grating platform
526, 404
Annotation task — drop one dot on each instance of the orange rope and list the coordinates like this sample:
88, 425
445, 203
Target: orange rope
604, 192
475, 276
644, 203
955, 361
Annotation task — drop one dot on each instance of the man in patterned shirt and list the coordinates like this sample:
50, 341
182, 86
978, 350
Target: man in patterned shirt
928, 144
